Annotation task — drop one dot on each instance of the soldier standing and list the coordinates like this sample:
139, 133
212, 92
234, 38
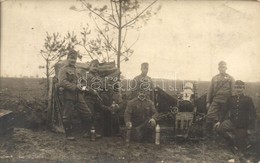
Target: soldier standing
220, 90
140, 116
72, 95
94, 101
241, 117
144, 81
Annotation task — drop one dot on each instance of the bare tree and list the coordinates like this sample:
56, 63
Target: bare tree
52, 51
94, 48
121, 15
55, 47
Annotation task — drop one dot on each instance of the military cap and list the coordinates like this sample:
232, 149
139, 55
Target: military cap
145, 64
72, 53
188, 85
222, 63
239, 83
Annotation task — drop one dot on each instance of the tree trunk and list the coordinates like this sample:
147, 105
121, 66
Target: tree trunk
47, 76
50, 102
119, 34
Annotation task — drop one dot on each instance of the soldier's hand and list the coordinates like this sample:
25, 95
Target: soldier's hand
61, 89
208, 105
115, 107
84, 88
152, 122
95, 92
216, 125
80, 88
250, 131
129, 125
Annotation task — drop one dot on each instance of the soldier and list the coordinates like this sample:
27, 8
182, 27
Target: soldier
144, 81
241, 116
140, 116
72, 95
219, 91
94, 101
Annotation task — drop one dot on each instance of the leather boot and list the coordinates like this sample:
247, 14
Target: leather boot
209, 130
68, 131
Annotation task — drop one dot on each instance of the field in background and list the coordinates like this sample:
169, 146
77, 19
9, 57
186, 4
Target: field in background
33, 88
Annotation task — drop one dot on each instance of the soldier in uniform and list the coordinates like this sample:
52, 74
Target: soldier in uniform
94, 101
144, 81
72, 95
220, 90
241, 116
140, 116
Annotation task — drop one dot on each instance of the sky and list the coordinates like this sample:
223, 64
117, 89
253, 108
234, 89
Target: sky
185, 40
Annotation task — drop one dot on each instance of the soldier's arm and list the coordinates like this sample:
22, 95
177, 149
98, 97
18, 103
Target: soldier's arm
152, 90
232, 84
210, 91
128, 112
133, 86
227, 106
133, 83
63, 81
154, 112
90, 80
252, 114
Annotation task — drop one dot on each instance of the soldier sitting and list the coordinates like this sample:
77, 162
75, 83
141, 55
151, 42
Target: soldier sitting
241, 117
140, 116
72, 95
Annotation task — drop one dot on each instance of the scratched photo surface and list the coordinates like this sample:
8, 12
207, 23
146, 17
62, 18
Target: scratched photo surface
182, 41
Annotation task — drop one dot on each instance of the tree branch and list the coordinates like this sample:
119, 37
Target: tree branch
132, 44
88, 52
117, 12
103, 35
134, 20
124, 38
43, 56
113, 12
98, 14
107, 55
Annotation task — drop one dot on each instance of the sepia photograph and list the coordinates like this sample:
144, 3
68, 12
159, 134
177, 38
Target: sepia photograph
130, 81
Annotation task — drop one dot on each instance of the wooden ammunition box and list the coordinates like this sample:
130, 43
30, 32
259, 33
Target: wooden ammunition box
6, 121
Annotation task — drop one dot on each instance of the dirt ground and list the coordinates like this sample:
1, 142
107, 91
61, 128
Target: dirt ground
30, 140
25, 145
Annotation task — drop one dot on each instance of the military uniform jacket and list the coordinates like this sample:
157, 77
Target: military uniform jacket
68, 78
94, 82
241, 111
138, 111
142, 81
221, 88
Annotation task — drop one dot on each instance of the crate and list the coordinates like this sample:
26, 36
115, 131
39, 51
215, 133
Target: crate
6, 121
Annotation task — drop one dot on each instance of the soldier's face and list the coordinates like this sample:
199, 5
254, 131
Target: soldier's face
222, 69
239, 90
72, 60
144, 70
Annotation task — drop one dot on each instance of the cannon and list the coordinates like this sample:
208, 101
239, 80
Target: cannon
182, 114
